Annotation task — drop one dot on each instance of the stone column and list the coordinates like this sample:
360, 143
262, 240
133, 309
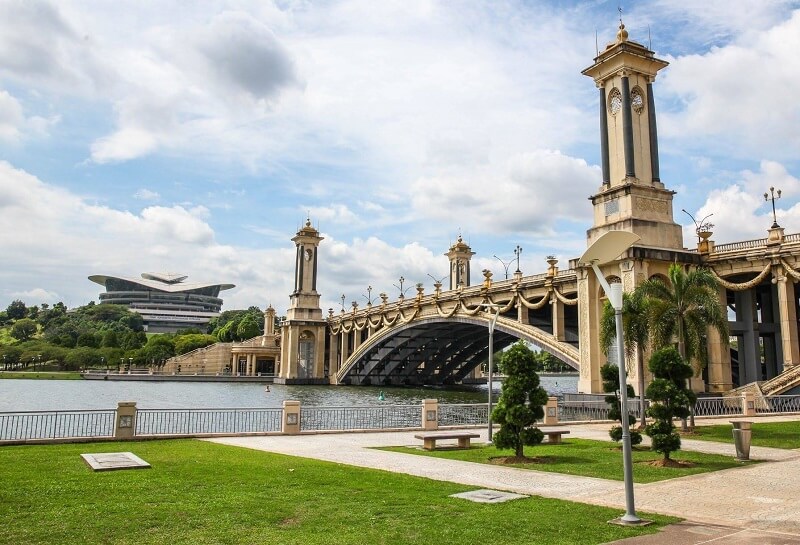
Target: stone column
125, 427
591, 357
557, 309
604, 137
430, 414
627, 128
522, 311
333, 356
788, 319
749, 363
719, 357
651, 120
551, 411
748, 404
290, 423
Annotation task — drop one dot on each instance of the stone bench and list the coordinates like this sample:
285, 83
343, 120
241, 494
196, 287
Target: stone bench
429, 439
554, 436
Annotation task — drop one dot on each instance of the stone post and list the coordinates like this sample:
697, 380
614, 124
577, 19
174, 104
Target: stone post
551, 411
125, 427
748, 404
430, 414
290, 423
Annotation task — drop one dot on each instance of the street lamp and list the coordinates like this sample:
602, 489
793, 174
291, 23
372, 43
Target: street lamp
491, 358
505, 265
772, 198
103, 361
604, 250
517, 252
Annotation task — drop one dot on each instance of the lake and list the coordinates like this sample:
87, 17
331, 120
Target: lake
54, 395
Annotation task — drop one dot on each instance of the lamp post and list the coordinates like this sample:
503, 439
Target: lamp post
103, 361
121, 365
505, 265
604, 250
517, 252
772, 198
492, 323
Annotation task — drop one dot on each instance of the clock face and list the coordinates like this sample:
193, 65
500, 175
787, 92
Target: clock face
637, 100
614, 101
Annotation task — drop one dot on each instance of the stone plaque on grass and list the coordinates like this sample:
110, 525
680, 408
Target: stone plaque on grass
110, 461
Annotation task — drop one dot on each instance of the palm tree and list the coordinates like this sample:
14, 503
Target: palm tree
636, 333
683, 311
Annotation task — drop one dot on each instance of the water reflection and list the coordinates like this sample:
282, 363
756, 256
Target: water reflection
51, 395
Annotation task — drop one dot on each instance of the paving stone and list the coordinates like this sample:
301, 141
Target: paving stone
111, 461
488, 496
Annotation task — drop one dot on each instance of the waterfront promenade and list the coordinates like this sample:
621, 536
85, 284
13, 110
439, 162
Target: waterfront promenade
755, 504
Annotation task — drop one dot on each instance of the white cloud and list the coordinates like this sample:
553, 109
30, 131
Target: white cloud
11, 117
529, 196
145, 194
37, 296
740, 211
740, 99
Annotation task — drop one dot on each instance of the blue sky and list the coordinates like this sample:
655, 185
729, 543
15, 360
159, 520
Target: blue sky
166, 136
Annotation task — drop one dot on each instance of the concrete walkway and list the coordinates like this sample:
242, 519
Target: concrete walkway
755, 504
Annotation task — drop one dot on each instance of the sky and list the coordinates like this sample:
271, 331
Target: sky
197, 137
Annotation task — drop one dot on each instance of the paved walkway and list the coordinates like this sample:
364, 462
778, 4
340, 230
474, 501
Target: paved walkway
755, 504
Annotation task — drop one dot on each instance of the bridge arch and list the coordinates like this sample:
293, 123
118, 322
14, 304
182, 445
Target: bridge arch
435, 350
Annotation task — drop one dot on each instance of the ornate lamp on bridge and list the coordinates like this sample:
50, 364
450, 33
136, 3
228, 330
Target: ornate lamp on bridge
604, 250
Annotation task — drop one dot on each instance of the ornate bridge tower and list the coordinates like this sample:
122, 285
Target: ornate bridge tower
303, 332
632, 196
459, 255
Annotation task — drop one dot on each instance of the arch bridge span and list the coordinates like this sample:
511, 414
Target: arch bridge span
443, 339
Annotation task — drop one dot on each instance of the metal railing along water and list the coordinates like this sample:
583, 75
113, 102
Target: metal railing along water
56, 424
463, 414
207, 421
718, 406
582, 410
360, 418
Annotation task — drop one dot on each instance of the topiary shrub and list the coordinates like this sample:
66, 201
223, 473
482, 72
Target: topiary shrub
671, 399
521, 401
610, 375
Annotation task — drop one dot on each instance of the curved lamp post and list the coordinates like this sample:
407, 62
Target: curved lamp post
496, 308
605, 249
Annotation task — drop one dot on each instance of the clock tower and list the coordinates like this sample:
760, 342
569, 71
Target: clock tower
303, 331
632, 196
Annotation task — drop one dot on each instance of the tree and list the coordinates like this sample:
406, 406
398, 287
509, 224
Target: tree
187, 343
610, 375
16, 310
635, 333
521, 401
684, 311
247, 328
158, 347
671, 399
23, 329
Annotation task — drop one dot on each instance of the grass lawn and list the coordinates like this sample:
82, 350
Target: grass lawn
765, 434
590, 459
45, 375
202, 493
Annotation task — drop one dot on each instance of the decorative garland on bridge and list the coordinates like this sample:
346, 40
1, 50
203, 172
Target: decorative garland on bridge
534, 306
789, 270
744, 285
564, 300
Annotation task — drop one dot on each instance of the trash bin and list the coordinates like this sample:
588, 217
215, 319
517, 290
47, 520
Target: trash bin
741, 438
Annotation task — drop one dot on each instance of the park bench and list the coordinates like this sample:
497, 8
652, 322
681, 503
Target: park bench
554, 436
429, 439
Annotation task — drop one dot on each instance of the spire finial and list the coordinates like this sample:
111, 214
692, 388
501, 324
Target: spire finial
622, 35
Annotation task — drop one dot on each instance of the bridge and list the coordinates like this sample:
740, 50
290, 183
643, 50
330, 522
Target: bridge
441, 338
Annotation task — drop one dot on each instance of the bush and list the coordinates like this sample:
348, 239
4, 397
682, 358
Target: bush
521, 401
610, 375
671, 399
